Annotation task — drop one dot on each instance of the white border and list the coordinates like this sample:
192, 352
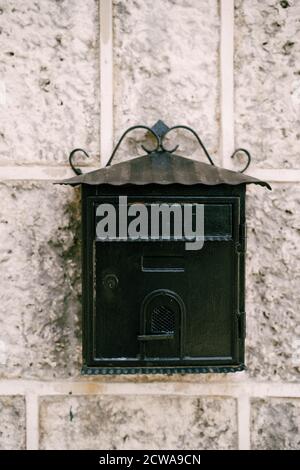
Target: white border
106, 81
227, 82
242, 390
32, 419
243, 417
236, 387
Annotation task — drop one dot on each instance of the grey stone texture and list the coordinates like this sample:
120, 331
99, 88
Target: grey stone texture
166, 66
273, 279
275, 424
49, 67
267, 81
12, 423
40, 281
137, 422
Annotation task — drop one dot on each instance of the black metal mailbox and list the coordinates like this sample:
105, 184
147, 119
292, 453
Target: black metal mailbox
150, 305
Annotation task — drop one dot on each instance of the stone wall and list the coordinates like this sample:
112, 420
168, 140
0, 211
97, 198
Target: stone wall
166, 60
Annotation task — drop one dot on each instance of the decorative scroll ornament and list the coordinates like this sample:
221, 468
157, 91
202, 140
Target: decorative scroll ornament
159, 131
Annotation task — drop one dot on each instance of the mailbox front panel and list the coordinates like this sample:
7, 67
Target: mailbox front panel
123, 313
155, 306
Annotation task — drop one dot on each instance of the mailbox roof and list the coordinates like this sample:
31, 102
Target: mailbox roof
162, 168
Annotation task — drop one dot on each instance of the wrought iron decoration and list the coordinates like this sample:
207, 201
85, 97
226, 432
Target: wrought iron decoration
159, 131
155, 307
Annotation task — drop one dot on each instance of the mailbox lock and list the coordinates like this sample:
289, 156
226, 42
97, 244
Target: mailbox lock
110, 281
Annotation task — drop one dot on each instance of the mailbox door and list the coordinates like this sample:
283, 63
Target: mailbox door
157, 304
139, 309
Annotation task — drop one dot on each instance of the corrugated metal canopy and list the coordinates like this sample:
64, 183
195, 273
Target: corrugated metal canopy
162, 168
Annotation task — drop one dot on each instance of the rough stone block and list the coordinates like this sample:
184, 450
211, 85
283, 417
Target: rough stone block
40, 280
137, 422
49, 88
12, 423
167, 67
267, 90
275, 424
273, 279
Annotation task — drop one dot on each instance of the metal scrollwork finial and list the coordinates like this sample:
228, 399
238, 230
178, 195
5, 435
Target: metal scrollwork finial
159, 131
242, 150
144, 148
77, 171
195, 135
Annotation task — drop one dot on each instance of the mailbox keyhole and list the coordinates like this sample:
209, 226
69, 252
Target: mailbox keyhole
110, 281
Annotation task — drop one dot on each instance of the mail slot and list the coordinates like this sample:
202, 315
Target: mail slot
162, 263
